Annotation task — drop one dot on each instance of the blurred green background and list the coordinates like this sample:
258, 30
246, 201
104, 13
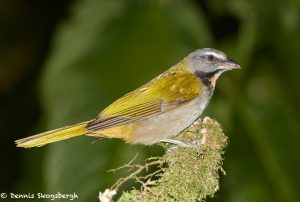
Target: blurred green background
61, 62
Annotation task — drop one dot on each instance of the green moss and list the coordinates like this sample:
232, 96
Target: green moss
188, 176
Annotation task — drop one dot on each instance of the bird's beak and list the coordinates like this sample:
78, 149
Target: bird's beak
230, 64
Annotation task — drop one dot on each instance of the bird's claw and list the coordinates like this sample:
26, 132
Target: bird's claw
177, 143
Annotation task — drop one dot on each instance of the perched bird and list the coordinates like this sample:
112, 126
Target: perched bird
158, 110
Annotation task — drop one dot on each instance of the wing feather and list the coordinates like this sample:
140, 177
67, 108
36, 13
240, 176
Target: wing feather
164, 93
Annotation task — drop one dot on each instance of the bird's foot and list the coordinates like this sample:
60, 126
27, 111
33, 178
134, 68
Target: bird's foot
178, 143
96, 140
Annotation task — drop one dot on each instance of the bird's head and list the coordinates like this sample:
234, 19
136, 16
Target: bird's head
208, 64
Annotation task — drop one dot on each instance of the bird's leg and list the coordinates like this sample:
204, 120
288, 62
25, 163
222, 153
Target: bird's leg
180, 143
96, 140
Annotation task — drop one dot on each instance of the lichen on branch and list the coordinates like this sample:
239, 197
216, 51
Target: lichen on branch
181, 174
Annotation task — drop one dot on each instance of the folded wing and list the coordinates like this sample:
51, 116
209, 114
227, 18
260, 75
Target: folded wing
164, 93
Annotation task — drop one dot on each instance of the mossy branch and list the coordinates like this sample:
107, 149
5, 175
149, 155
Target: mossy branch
181, 173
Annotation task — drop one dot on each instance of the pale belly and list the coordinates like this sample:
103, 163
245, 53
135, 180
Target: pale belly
170, 124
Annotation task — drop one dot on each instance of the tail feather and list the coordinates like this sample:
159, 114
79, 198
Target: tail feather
53, 136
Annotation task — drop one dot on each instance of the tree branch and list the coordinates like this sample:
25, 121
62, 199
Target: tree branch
181, 174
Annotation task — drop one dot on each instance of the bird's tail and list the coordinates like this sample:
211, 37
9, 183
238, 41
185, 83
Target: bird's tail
53, 136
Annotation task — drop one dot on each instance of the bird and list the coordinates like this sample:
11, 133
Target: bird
156, 111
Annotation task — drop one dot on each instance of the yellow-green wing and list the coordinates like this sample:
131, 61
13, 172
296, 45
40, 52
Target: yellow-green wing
164, 93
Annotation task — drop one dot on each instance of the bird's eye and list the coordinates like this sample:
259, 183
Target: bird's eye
210, 58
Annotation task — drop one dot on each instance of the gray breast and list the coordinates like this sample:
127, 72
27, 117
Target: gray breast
171, 123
